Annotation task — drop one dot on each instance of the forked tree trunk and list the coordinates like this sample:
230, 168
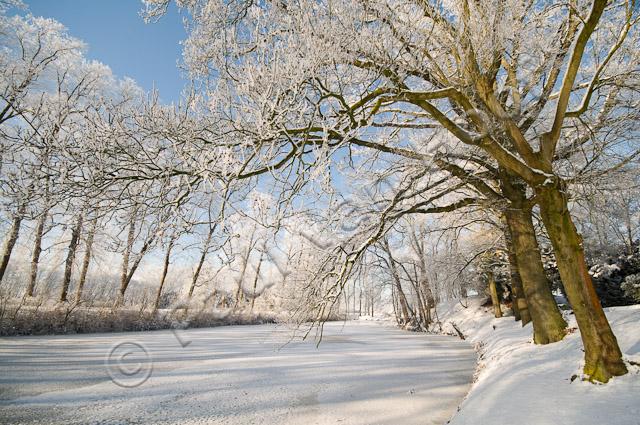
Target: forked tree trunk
245, 264
203, 257
603, 358
136, 263
548, 324
165, 270
87, 259
497, 312
407, 312
125, 259
12, 238
71, 255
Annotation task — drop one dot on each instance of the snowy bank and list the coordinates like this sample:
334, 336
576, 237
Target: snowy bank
531, 384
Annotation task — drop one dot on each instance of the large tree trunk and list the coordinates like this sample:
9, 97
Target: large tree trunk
603, 358
87, 258
497, 312
520, 308
71, 255
12, 238
548, 324
165, 270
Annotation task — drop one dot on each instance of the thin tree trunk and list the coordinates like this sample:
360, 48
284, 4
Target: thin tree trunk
372, 305
255, 281
603, 358
245, 264
12, 238
497, 312
71, 255
165, 270
87, 258
203, 256
37, 250
394, 303
125, 259
136, 263
407, 313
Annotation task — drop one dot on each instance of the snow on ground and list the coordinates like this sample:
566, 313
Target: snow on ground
362, 373
530, 384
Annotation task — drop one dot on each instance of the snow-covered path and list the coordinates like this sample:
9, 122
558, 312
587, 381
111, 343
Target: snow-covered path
362, 373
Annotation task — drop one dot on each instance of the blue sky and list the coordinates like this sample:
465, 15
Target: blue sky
117, 36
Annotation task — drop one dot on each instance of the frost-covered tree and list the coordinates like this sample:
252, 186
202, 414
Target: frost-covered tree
528, 84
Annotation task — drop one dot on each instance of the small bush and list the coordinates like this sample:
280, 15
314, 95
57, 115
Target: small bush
631, 286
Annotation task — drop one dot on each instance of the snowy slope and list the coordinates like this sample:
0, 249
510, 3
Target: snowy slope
519, 382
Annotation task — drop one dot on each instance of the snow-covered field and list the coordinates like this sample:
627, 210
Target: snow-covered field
362, 373
523, 383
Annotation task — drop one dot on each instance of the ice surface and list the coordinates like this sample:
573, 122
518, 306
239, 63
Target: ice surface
362, 373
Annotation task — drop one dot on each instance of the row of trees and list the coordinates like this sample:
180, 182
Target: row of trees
77, 230
353, 121
503, 106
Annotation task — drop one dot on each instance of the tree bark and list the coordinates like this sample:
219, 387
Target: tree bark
407, 313
37, 250
520, 308
87, 259
165, 270
12, 238
245, 264
548, 324
125, 259
71, 255
497, 312
603, 358
255, 281
203, 256
145, 247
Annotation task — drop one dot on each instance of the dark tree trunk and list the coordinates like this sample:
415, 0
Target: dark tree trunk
203, 257
548, 324
603, 358
71, 255
255, 281
497, 311
12, 238
87, 258
124, 282
165, 270
407, 312
37, 250
520, 308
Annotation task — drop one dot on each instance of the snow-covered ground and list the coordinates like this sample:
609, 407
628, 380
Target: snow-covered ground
523, 383
364, 373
